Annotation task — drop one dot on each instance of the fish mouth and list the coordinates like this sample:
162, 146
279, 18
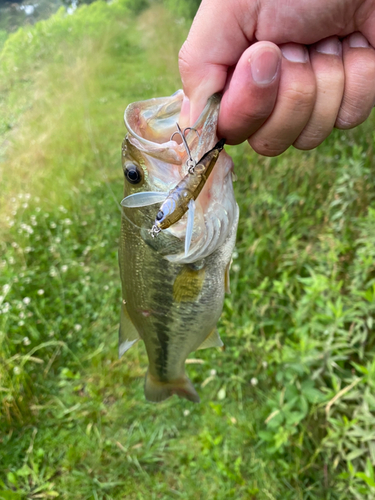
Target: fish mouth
150, 125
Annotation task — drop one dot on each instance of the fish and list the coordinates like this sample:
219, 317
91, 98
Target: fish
172, 297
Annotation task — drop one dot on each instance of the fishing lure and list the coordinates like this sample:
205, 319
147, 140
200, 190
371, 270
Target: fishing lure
182, 198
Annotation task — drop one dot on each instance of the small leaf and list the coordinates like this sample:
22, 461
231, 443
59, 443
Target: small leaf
368, 480
355, 454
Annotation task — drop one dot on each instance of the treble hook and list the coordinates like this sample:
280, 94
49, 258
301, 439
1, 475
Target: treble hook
190, 163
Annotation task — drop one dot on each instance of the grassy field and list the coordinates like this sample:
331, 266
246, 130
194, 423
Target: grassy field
287, 407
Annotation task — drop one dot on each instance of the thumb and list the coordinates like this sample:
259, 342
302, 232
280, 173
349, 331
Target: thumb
250, 95
214, 44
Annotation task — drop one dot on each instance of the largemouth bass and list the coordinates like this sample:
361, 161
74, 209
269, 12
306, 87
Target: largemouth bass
173, 298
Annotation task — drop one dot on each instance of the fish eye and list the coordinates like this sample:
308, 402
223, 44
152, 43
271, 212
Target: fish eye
133, 174
160, 215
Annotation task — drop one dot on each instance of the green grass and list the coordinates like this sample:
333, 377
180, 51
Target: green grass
287, 408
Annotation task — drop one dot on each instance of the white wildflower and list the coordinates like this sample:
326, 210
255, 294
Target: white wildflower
13, 200
26, 300
11, 260
235, 255
27, 196
37, 199
28, 229
66, 232
53, 272
28, 250
40, 292
57, 240
21, 323
254, 381
6, 289
22, 315
6, 308
26, 341
16, 370
67, 222
64, 268
236, 268
77, 327
213, 372
38, 209
84, 223
14, 244
264, 364
106, 287
52, 225
63, 209
186, 413
25, 205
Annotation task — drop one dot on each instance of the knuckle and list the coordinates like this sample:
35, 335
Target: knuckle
307, 141
300, 96
266, 147
184, 60
348, 119
354, 110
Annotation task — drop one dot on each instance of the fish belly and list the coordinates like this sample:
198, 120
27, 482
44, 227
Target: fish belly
173, 307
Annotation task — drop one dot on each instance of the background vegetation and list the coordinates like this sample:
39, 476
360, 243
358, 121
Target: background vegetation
287, 408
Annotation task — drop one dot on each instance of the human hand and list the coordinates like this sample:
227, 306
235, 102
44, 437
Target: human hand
277, 91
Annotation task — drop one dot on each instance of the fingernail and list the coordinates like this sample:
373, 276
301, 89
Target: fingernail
264, 66
295, 53
331, 46
356, 40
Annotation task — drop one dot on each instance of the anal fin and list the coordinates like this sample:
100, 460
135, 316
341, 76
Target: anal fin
212, 340
128, 334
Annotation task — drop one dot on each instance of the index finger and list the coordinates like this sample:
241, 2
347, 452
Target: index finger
214, 44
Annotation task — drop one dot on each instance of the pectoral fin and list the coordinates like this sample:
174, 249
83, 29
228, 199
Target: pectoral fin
128, 334
213, 340
144, 199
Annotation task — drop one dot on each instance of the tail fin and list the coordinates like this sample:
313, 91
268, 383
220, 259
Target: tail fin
157, 391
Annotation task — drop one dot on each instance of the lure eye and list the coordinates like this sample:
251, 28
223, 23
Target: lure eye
133, 174
160, 215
